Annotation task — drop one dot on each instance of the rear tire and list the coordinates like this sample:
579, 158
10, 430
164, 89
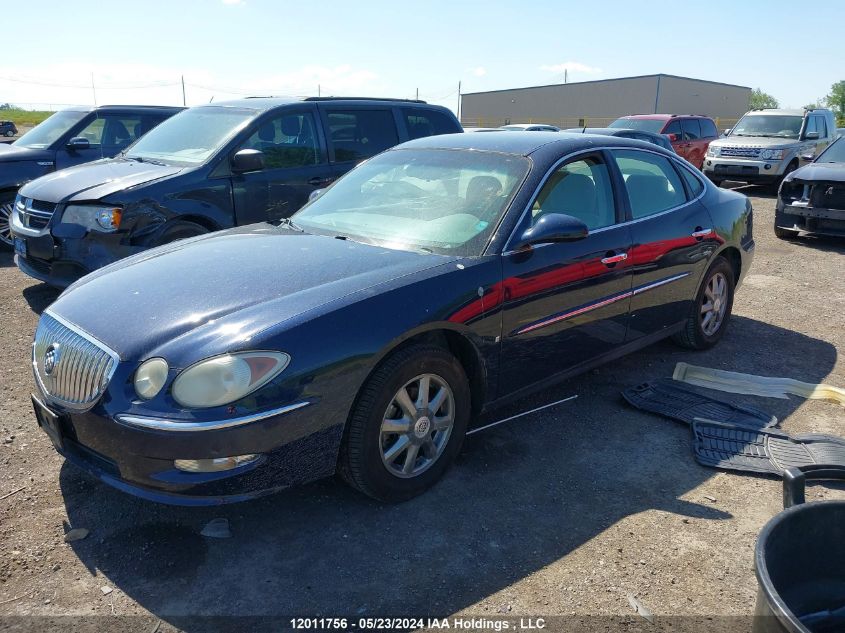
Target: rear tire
178, 230
7, 205
393, 452
711, 310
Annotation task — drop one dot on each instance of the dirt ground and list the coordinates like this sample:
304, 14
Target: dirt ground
563, 513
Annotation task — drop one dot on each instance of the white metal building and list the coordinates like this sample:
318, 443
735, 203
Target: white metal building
597, 103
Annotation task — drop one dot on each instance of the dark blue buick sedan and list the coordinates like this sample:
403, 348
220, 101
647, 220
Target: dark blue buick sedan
364, 335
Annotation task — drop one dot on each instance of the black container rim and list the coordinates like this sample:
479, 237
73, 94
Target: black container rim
782, 612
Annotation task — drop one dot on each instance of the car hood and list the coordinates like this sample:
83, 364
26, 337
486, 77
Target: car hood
226, 287
827, 172
11, 153
756, 141
94, 181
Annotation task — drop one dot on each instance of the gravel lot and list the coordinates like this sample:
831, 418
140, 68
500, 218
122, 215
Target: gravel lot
563, 513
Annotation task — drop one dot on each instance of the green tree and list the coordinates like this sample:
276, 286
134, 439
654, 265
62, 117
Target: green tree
760, 99
836, 99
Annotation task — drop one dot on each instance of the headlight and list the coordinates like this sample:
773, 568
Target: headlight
223, 379
93, 217
150, 378
714, 150
771, 154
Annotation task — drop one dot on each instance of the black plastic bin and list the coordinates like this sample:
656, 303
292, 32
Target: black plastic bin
800, 560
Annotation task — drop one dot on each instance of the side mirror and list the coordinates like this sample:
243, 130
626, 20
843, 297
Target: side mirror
811, 136
78, 142
727, 132
808, 157
553, 227
674, 138
315, 194
247, 160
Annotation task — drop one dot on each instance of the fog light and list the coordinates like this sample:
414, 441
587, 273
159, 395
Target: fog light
767, 166
214, 465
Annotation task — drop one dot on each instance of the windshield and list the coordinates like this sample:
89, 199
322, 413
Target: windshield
772, 125
440, 201
835, 153
192, 136
649, 125
50, 129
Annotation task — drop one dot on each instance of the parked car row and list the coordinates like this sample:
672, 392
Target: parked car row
207, 168
8, 128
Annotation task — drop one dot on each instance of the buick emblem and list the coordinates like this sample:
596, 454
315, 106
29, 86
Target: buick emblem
51, 358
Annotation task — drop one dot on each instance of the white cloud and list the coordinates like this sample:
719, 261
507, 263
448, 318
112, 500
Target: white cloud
478, 71
572, 67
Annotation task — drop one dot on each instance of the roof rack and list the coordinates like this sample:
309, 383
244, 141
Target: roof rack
363, 99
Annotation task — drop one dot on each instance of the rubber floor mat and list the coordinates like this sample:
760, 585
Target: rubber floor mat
735, 447
676, 401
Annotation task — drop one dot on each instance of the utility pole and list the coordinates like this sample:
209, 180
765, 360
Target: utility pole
418, 94
565, 75
183, 90
459, 100
318, 90
93, 89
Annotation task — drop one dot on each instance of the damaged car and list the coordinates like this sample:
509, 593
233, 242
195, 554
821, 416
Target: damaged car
363, 335
812, 198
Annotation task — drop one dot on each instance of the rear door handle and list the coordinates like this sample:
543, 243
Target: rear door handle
317, 181
700, 233
612, 260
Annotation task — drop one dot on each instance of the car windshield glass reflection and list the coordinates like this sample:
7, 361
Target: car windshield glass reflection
833, 154
649, 125
192, 136
441, 201
768, 125
50, 130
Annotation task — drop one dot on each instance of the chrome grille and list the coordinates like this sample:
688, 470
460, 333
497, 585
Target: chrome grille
34, 214
79, 366
741, 152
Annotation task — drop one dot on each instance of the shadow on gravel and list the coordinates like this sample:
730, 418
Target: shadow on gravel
824, 243
753, 191
521, 496
40, 296
7, 259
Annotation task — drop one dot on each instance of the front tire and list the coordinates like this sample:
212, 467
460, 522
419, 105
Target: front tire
407, 425
711, 310
784, 234
178, 230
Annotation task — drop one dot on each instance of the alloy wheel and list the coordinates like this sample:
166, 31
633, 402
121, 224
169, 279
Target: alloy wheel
714, 304
6, 207
416, 426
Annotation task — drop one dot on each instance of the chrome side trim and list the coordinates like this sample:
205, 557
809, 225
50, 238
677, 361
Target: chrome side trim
658, 283
162, 424
599, 304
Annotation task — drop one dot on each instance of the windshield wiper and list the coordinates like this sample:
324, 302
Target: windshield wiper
139, 159
288, 223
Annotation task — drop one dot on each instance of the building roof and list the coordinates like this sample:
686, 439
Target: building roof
596, 81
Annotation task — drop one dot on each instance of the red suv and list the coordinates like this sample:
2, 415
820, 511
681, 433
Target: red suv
690, 134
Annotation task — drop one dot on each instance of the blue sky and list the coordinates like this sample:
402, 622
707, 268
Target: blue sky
138, 51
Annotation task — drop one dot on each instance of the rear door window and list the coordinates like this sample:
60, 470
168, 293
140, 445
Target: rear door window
708, 128
674, 127
422, 123
358, 134
652, 183
692, 129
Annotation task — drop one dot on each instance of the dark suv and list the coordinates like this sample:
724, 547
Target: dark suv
210, 167
8, 128
66, 138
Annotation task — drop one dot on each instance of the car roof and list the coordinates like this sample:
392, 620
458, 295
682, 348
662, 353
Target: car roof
664, 117
521, 143
122, 108
262, 104
780, 111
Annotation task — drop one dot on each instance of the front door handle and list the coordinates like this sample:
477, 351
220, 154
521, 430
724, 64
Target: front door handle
612, 260
700, 233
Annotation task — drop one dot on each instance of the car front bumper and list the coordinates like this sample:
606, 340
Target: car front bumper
744, 169
810, 219
295, 446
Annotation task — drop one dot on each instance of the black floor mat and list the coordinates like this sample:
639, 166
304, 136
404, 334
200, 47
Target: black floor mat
735, 447
679, 402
